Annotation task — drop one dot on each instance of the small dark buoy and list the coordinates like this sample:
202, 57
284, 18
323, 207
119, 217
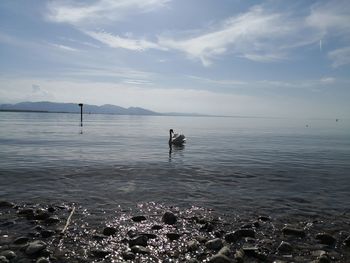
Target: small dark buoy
307, 126
336, 120
81, 114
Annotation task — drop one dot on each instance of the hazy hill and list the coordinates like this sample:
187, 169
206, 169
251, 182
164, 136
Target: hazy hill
46, 106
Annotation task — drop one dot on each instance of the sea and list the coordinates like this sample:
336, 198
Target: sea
231, 165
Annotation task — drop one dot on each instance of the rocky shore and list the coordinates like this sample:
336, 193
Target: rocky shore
152, 232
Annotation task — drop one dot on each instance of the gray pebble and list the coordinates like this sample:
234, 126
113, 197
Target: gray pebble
35, 247
173, 236
169, 218
225, 251
139, 240
156, 227
214, 244
138, 218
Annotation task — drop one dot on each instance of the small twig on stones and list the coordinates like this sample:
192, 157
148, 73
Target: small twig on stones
68, 220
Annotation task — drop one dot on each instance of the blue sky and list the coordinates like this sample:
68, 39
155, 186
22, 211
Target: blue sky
229, 57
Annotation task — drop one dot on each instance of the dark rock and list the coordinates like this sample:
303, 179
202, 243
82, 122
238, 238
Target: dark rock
169, 218
293, 231
35, 247
139, 241
43, 260
201, 239
140, 250
209, 227
128, 255
249, 225
52, 220
149, 235
214, 244
41, 214
47, 233
132, 233
285, 247
173, 236
156, 227
324, 258
98, 236
254, 252
239, 256
138, 218
218, 258
27, 212
6, 204
192, 245
4, 259
21, 240
99, 253
109, 231
238, 234
51, 209
326, 239
9, 254
225, 251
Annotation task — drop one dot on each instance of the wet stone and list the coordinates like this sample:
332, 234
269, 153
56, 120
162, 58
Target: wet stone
41, 215
149, 235
236, 235
47, 233
225, 251
21, 240
140, 241
326, 239
219, 259
173, 236
239, 256
128, 255
35, 247
138, 218
6, 204
27, 212
51, 209
109, 231
293, 231
209, 227
4, 259
264, 218
9, 254
285, 247
140, 250
169, 218
156, 227
214, 244
52, 220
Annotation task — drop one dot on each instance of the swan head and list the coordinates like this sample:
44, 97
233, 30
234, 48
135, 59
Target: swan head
171, 131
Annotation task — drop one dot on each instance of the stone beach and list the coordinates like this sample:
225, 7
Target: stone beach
153, 232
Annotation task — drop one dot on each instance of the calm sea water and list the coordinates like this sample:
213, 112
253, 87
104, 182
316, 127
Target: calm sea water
228, 164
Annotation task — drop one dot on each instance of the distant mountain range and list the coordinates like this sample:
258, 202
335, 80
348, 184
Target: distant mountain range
46, 106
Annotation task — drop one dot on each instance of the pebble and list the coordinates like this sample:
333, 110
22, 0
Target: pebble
214, 244
285, 247
236, 235
9, 254
139, 240
149, 235
169, 218
41, 214
51, 209
192, 245
173, 236
109, 231
218, 258
225, 251
47, 233
326, 239
138, 218
264, 218
21, 240
209, 227
128, 255
140, 250
4, 259
293, 231
35, 247
156, 227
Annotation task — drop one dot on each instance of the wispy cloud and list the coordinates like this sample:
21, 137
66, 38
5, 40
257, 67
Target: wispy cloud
102, 11
64, 47
340, 56
116, 41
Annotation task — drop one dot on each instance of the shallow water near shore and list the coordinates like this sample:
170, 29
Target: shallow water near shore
232, 165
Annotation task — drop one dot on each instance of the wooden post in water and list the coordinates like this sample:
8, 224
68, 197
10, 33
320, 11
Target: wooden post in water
81, 114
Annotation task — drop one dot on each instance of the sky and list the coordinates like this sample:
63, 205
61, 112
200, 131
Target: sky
226, 57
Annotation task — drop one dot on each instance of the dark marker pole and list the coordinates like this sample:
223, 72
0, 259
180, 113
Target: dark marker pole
81, 114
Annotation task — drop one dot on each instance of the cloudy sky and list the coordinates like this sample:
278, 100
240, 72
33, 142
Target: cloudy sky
230, 57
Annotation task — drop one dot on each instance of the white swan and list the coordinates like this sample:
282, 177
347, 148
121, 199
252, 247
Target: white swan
176, 139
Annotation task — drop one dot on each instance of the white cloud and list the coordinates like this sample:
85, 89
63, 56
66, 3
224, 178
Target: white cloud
101, 11
340, 56
119, 42
64, 47
258, 35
